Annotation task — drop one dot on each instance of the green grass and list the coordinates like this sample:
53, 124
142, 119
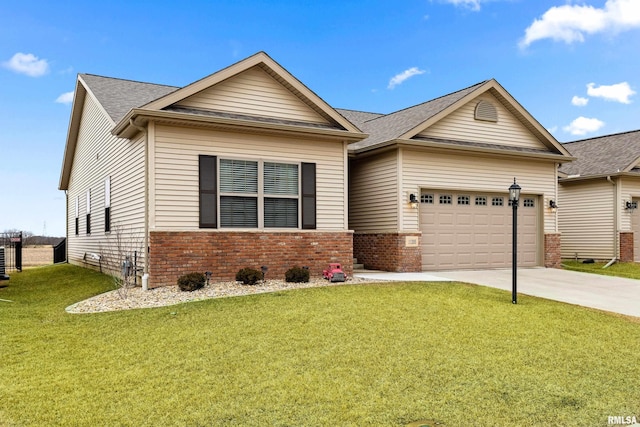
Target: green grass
630, 270
355, 355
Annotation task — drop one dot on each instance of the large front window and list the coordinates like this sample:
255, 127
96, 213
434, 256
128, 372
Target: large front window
254, 194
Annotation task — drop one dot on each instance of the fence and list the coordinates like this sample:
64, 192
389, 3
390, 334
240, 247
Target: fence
12, 244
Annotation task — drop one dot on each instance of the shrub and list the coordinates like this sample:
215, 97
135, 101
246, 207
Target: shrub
297, 275
191, 282
249, 276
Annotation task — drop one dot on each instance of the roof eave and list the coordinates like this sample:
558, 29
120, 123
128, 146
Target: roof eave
72, 134
571, 178
128, 126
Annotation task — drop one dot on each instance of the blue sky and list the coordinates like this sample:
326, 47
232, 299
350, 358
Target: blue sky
573, 65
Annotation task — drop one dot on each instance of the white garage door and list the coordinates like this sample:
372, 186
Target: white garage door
473, 230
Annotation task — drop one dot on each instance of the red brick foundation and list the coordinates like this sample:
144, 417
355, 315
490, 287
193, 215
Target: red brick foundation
626, 246
388, 252
552, 258
172, 254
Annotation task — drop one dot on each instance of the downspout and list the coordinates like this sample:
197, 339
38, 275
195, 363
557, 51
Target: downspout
143, 130
615, 221
66, 222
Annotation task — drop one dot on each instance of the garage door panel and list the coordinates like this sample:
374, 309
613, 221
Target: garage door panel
476, 233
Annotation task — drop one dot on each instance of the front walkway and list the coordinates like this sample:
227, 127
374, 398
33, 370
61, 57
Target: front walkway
607, 293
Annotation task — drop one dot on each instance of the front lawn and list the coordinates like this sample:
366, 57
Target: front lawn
629, 270
355, 355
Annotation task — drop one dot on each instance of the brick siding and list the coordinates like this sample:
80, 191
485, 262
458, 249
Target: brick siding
173, 254
387, 252
626, 246
552, 258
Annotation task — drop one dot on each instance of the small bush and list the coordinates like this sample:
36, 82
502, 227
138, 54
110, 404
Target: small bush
191, 282
297, 275
249, 276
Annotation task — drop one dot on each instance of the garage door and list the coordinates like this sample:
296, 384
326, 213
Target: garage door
473, 230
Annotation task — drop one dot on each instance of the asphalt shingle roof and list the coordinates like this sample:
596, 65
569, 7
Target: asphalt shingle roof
118, 96
604, 155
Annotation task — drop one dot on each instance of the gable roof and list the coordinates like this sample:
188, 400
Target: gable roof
405, 125
604, 155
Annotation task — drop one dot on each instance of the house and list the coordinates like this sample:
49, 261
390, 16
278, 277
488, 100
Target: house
248, 167
457, 155
244, 168
599, 195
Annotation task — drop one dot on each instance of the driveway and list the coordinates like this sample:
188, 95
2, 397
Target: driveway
607, 293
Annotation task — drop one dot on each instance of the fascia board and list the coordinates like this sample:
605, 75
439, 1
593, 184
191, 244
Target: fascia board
125, 128
72, 133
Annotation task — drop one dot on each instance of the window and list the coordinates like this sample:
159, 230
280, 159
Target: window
256, 194
481, 201
77, 215
464, 200
88, 211
445, 199
529, 203
497, 201
426, 198
107, 204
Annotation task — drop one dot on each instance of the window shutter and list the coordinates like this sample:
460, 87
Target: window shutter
208, 191
309, 196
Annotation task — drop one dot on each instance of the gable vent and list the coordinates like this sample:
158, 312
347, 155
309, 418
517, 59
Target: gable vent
486, 111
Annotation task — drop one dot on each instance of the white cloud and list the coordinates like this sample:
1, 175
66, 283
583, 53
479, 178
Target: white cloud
469, 4
553, 129
27, 63
406, 74
579, 101
583, 125
569, 23
619, 92
65, 98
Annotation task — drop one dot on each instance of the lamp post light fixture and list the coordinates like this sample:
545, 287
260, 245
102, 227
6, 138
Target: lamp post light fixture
514, 197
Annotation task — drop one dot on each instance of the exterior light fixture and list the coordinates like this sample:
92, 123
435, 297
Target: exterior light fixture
514, 197
553, 205
630, 206
413, 201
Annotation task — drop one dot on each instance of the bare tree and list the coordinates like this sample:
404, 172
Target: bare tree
119, 256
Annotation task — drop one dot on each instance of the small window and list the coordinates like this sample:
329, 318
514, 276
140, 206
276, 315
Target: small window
88, 211
426, 198
77, 215
481, 201
464, 200
445, 199
497, 201
529, 203
107, 205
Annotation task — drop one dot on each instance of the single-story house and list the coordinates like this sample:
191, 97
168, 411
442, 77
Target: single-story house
248, 167
599, 194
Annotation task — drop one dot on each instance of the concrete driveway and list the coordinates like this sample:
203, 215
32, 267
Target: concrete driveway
607, 293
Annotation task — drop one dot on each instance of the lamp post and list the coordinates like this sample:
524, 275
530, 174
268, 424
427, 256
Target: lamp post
514, 197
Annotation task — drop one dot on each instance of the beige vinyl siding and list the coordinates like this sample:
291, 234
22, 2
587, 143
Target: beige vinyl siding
254, 93
99, 155
462, 126
629, 189
423, 169
373, 194
586, 219
176, 153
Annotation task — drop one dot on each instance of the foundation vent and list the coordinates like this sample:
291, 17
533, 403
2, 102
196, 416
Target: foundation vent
486, 111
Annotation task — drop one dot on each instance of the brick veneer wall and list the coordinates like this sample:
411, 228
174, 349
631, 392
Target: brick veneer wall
626, 246
387, 252
172, 254
552, 254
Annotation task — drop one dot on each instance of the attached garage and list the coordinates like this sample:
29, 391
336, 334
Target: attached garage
469, 230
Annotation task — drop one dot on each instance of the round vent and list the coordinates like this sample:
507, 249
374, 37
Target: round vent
486, 111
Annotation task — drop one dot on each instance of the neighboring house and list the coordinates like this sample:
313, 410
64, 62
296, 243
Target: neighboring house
244, 168
248, 168
457, 155
599, 194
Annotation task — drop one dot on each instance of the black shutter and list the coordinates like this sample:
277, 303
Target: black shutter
208, 192
309, 196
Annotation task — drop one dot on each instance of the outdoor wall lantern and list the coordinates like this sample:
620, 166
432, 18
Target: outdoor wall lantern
553, 205
413, 201
630, 206
514, 197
